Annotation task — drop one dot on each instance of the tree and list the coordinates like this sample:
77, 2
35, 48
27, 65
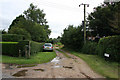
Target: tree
101, 22
3, 31
33, 22
20, 31
38, 33
115, 22
18, 22
35, 15
72, 37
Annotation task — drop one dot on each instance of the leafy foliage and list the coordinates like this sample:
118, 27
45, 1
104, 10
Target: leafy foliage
72, 37
10, 48
89, 48
111, 46
36, 47
105, 19
33, 23
35, 15
11, 37
20, 31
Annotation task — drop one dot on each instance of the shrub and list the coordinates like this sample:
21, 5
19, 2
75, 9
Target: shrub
35, 47
12, 37
9, 48
89, 48
12, 48
21, 46
110, 45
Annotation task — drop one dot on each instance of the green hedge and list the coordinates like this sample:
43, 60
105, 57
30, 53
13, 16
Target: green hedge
12, 48
21, 47
35, 47
9, 48
12, 37
110, 45
89, 47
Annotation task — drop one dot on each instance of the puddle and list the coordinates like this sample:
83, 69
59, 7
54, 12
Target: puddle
20, 73
67, 67
56, 60
40, 70
57, 66
22, 66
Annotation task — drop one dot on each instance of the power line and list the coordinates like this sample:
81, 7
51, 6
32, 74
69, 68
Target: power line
58, 6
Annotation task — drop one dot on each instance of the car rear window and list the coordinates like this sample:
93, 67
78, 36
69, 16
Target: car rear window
47, 44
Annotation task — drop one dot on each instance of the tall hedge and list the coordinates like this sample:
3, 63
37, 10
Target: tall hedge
35, 47
12, 48
9, 48
12, 37
89, 47
21, 47
110, 45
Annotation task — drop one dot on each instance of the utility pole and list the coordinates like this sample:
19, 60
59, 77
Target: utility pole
84, 21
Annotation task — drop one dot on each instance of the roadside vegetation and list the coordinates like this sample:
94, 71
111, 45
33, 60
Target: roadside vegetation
40, 57
102, 37
25, 37
98, 64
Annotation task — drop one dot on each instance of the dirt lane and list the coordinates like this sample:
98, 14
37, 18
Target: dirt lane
59, 67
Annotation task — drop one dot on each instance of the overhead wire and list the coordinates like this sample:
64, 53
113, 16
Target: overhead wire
59, 6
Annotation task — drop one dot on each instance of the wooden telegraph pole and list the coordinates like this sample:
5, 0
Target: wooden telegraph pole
84, 20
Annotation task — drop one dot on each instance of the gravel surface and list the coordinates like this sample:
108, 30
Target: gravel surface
59, 67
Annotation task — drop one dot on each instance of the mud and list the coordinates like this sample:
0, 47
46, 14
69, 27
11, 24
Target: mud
67, 67
59, 67
20, 73
40, 70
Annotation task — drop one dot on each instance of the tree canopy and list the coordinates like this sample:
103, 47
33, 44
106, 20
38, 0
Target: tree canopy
32, 24
72, 37
105, 21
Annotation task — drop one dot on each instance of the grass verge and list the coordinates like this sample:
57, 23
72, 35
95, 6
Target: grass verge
40, 57
99, 65
9, 42
63, 53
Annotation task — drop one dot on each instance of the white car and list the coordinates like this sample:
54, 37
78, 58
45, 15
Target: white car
47, 47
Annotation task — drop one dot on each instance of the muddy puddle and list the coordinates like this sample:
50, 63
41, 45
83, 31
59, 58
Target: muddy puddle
39, 70
69, 67
20, 73
56, 60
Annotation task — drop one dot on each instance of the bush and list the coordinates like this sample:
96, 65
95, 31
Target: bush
12, 37
9, 48
21, 46
110, 45
89, 47
12, 48
35, 47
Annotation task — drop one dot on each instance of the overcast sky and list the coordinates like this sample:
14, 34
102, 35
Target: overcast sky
59, 13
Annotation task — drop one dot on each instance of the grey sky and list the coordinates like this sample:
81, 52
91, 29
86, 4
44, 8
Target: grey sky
59, 13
